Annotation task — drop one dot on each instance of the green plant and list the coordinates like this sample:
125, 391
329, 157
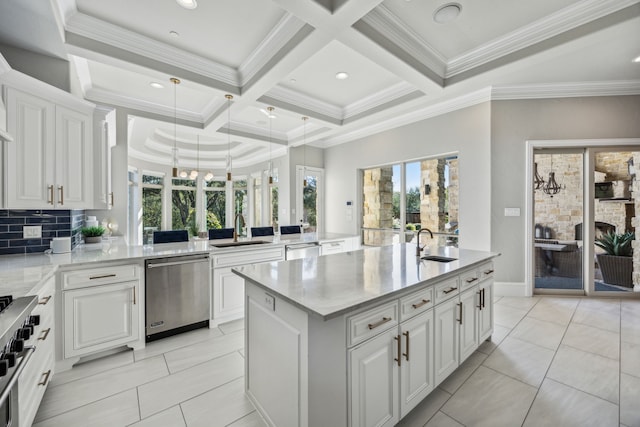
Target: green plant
618, 244
95, 231
411, 227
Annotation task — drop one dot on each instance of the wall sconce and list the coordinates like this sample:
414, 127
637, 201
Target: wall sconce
427, 189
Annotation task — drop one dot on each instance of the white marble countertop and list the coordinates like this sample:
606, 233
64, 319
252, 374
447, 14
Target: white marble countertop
22, 274
333, 285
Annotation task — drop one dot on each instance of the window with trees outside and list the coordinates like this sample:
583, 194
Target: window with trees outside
152, 187
183, 205
215, 201
240, 203
257, 201
400, 199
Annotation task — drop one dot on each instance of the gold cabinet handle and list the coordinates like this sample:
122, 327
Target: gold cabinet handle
473, 279
449, 290
45, 300
102, 276
460, 311
111, 196
381, 322
50, 188
61, 190
46, 377
421, 303
406, 355
487, 272
399, 358
45, 334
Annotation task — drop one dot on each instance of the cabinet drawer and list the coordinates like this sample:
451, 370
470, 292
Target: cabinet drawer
329, 248
469, 278
486, 271
371, 322
252, 256
447, 289
99, 276
416, 303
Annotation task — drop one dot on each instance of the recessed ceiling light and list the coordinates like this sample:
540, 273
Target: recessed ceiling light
174, 34
447, 13
156, 85
636, 59
342, 75
187, 4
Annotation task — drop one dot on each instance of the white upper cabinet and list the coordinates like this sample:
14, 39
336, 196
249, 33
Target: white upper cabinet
103, 141
50, 162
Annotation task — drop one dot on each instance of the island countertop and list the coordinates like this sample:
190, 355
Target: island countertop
332, 285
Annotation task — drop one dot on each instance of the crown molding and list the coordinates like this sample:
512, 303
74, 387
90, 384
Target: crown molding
278, 37
393, 28
566, 90
105, 97
300, 100
4, 65
467, 100
564, 20
104, 32
374, 100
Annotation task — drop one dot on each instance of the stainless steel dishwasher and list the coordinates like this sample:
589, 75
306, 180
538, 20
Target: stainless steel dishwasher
177, 295
302, 250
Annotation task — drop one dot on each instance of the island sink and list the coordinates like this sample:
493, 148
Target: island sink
438, 258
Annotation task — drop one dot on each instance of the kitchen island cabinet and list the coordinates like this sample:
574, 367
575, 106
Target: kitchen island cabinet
368, 314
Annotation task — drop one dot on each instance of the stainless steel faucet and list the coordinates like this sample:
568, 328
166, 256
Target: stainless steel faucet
418, 248
235, 228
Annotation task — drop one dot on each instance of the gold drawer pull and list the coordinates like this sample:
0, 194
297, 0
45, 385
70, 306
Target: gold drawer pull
102, 276
473, 279
488, 272
46, 377
45, 300
421, 303
448, 291
399, 359
61, 190
460, 306
381, 322
50, 188
406, 334
45, 334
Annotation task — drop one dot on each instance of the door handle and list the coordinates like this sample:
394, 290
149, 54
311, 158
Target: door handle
483, 297
50, 188
111, 195
378, 323
460, 311
479, 299
420, 304
399, 358
61, 190
406, 355
134, 295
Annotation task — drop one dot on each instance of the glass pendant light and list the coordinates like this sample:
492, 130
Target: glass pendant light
270, 110
228, 166
304, 153
174, 152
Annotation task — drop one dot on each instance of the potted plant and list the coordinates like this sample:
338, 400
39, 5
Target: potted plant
616, 264
92, 234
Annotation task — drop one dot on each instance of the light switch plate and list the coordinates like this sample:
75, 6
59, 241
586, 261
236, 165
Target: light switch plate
511, 211
31, 231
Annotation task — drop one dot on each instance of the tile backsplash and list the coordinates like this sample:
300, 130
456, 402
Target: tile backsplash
55, 223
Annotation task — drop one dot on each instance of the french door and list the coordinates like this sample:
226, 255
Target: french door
309, 197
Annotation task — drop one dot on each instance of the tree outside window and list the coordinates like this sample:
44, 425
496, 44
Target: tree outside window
151, 206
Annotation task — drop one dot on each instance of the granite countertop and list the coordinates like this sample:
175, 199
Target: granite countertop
333, 285
22, 274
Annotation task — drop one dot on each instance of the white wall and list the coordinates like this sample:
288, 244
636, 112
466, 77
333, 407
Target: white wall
466, 132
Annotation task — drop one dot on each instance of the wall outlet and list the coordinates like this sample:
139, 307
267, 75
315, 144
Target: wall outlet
31, 231
270, 301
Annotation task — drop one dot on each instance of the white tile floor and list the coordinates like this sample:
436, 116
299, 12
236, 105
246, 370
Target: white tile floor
552, 361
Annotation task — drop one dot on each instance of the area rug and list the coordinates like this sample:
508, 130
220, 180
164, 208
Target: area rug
553, 282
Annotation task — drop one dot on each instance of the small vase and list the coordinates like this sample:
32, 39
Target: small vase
92, 239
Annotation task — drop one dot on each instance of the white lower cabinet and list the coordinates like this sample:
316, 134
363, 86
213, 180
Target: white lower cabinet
468, 322
374, 382
446, 344
39, 371
100, 317
100, 310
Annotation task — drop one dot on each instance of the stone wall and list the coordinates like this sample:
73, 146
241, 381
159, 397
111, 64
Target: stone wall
635, 222
432, 205
454, 191
377, 205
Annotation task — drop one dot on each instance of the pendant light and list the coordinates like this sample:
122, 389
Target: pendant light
194, 173
174, 171
270, 110
551, 187
229, 98
304, 153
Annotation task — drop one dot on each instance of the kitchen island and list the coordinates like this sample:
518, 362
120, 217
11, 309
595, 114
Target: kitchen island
360, 338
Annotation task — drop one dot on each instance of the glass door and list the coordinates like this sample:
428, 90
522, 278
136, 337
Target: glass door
558, 217
309, 198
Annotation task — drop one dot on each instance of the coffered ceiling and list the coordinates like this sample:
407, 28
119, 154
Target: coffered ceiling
402, 65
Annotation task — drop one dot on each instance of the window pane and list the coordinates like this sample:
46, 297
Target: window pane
151, 213
257, 202
216, 212
310, 202
215, 184
274, 206
183, 210
412, 199
381, 205
184, 183
151, 179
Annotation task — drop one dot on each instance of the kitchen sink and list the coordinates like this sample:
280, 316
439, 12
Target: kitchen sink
438, 258
232, 244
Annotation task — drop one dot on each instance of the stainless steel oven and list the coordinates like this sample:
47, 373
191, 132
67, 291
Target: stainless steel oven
16, 327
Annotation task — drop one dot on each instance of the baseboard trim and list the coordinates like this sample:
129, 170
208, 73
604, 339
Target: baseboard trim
510, 289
